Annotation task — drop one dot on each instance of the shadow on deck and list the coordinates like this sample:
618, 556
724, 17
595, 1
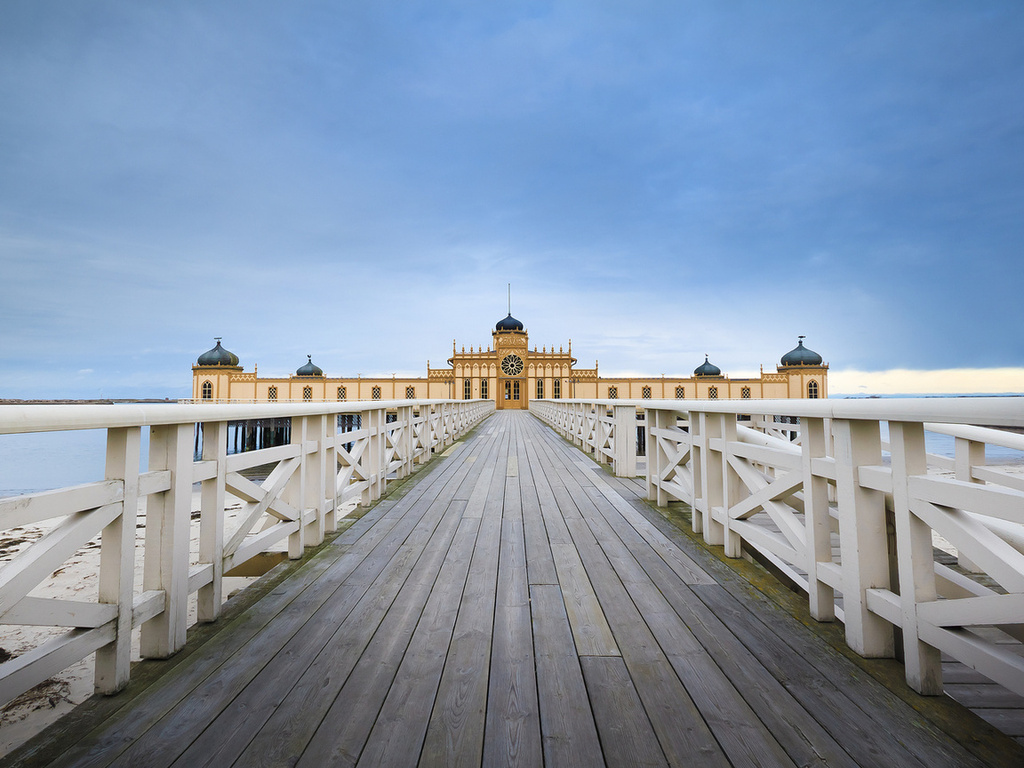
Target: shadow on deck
515, 604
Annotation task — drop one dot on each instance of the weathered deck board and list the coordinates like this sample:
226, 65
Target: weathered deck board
516, 606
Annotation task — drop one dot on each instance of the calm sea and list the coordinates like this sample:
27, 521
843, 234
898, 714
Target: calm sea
47, 460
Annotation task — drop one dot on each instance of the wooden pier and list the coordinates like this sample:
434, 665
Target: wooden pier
516, 604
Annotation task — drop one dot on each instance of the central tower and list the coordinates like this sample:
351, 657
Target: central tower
510, 346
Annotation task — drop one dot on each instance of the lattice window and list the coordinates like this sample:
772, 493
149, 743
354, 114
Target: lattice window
483, 388
646, 392
207, 390
812, 390
680, 393
557, 387
307, 393
375, 393
540, 389
410, 393
467, 389
342, 393
713, 393
613, 393
272, 393
745, 393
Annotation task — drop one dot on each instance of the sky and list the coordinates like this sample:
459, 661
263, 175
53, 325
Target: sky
657, 181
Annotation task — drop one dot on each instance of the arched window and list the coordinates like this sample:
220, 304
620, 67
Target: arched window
467, 389
207, 390
680, 393
613, 393
375, 393
342, 393
812, 390
307, 393
410, 393
745, 393
540, 389
272, 393
646, 392
483, 388
557, 387
713, 393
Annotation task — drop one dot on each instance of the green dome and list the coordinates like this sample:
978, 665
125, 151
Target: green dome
801, 355
217, 356
309, 369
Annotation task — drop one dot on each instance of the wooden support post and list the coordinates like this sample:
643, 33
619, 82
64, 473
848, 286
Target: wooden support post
406, 442
316, 480
817, 519
862, 536
731, 485
330, 463
168, 516
713, 478
968, 454
697, 463
914, 557
373, 456
656, 457
624, 440
295, 491
117, 560
211, 520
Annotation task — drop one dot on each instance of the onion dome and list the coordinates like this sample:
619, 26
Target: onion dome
217, 356
801, 355
309, 369
508, 324
707, 369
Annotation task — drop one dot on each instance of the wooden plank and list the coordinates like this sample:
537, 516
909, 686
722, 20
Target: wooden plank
397, 736
622, 722
271, 723
512, 722
455, 733
567, 723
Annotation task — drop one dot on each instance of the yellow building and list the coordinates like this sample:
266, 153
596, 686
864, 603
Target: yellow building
510, 373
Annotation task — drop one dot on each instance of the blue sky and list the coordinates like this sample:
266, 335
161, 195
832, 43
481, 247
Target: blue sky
359, 181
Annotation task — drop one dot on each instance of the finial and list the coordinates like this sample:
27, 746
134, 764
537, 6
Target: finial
217, 338
510, 298
309, 358
801, 342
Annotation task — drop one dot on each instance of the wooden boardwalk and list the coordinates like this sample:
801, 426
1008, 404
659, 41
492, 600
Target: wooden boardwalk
515, 605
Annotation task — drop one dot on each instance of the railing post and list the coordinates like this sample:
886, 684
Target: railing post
817, 519
712, 478
624, 440
316, 480
167, 539
295, 491
117, 559
656, 457
967, 454
863, 540
730, 485
211, 520
373, 456
330, 465
915, 561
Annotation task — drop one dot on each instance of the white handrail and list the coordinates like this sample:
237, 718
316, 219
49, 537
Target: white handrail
794, 490
311, 478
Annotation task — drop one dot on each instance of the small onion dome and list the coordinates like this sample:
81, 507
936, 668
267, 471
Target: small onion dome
217, 356
707, 369
309, 369
801, 355
508, 324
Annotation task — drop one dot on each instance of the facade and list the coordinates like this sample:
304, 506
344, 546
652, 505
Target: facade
509, 373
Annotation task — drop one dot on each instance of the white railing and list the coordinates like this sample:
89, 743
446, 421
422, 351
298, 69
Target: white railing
605, 430
307, 482
879, 532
